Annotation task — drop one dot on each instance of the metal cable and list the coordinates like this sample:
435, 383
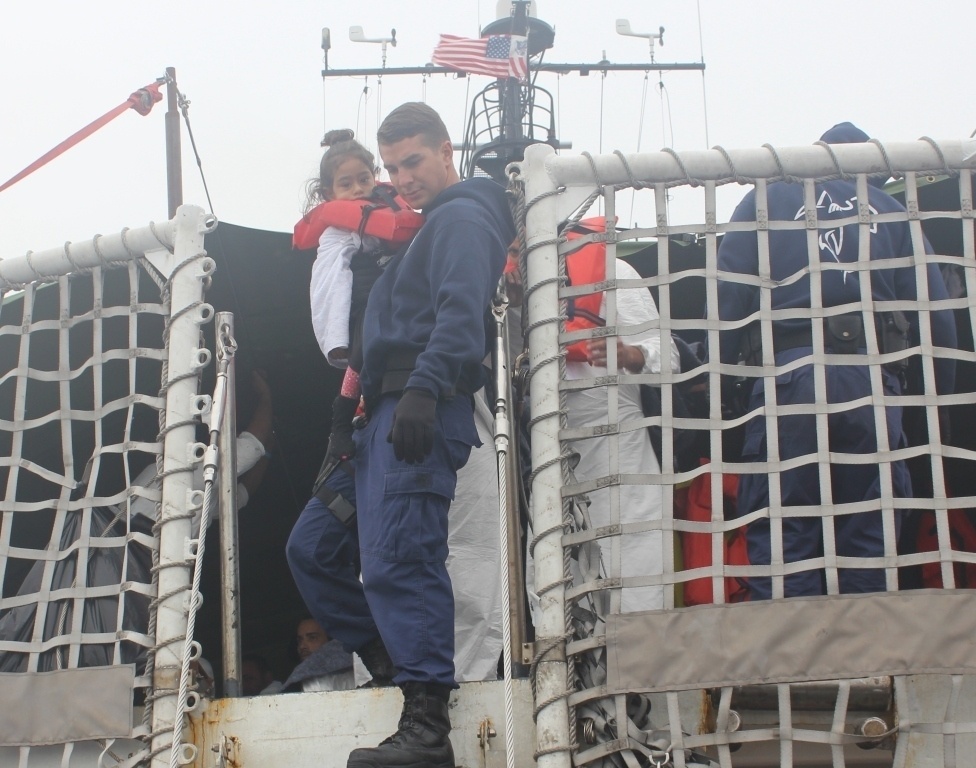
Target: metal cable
184, 105
506, 616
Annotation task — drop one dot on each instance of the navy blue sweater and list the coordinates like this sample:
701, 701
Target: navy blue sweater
789, 261
431, 301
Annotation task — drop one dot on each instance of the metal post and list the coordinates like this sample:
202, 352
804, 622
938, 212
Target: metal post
174, 159
511, 557
230, 576
505, 444
552, 722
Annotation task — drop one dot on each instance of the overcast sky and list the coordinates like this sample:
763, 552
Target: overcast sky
778, 72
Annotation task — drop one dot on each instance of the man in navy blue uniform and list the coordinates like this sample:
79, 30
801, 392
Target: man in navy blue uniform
424, 340
851, 429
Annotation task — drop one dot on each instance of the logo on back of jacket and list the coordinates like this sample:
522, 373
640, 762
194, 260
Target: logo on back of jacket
832, 240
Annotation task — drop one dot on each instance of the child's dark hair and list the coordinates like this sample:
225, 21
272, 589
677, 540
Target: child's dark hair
341, 146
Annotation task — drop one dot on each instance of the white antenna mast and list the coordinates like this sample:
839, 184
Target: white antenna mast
623, 28
357, 35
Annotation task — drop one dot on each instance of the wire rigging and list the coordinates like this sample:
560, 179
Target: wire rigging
467, 97
603, 82
701, 53
360, 108
666, 131
640, 124
184, 104
379, 100
667, 125
559, 105
640, 135
325, 109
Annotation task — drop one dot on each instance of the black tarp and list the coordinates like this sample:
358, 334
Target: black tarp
104, 567
264, 283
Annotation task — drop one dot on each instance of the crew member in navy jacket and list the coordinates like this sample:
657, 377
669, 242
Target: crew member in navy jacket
852, 429
424, 340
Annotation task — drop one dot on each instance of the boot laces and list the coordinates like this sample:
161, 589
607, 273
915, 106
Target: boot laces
409, 722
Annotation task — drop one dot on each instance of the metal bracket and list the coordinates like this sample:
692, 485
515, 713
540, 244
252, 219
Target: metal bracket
486, 732
227, 752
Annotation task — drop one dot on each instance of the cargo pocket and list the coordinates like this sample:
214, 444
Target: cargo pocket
415, 505
460, 432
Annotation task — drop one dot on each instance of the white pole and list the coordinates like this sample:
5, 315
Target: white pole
185, 358
813, 161
99, 251
551, 683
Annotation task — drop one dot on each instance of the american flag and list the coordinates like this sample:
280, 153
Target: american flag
496, 55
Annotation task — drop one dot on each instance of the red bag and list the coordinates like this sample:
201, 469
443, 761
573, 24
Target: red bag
696, 548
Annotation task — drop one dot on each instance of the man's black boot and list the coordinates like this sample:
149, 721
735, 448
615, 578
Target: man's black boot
377, 661
421, 740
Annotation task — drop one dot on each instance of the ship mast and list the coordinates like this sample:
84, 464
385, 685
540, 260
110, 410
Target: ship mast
174, 161
512, 106
508, 115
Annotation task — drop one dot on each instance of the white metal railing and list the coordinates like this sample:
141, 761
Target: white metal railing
587, 670
100, 347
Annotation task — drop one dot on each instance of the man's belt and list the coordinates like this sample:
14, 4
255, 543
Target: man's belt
843, 335
400, 365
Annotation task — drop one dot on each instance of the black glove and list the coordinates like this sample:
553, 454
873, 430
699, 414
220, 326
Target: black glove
341, 445
412, 433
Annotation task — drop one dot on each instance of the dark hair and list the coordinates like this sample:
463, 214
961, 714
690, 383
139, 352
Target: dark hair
341, 146
413, 119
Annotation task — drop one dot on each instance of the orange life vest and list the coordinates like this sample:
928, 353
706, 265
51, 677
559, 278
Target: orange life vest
696, 548
383, 215
962, 538
583, 267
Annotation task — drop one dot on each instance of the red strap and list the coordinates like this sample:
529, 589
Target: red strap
141, 101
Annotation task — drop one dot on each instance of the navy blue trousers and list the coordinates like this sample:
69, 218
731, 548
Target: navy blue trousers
324, 559
401, 546
402, 510
849, 431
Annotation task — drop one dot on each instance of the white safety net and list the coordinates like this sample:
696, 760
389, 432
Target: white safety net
753, 455
85, 407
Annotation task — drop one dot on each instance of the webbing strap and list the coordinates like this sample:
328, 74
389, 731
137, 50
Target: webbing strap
344, 511
141, 101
